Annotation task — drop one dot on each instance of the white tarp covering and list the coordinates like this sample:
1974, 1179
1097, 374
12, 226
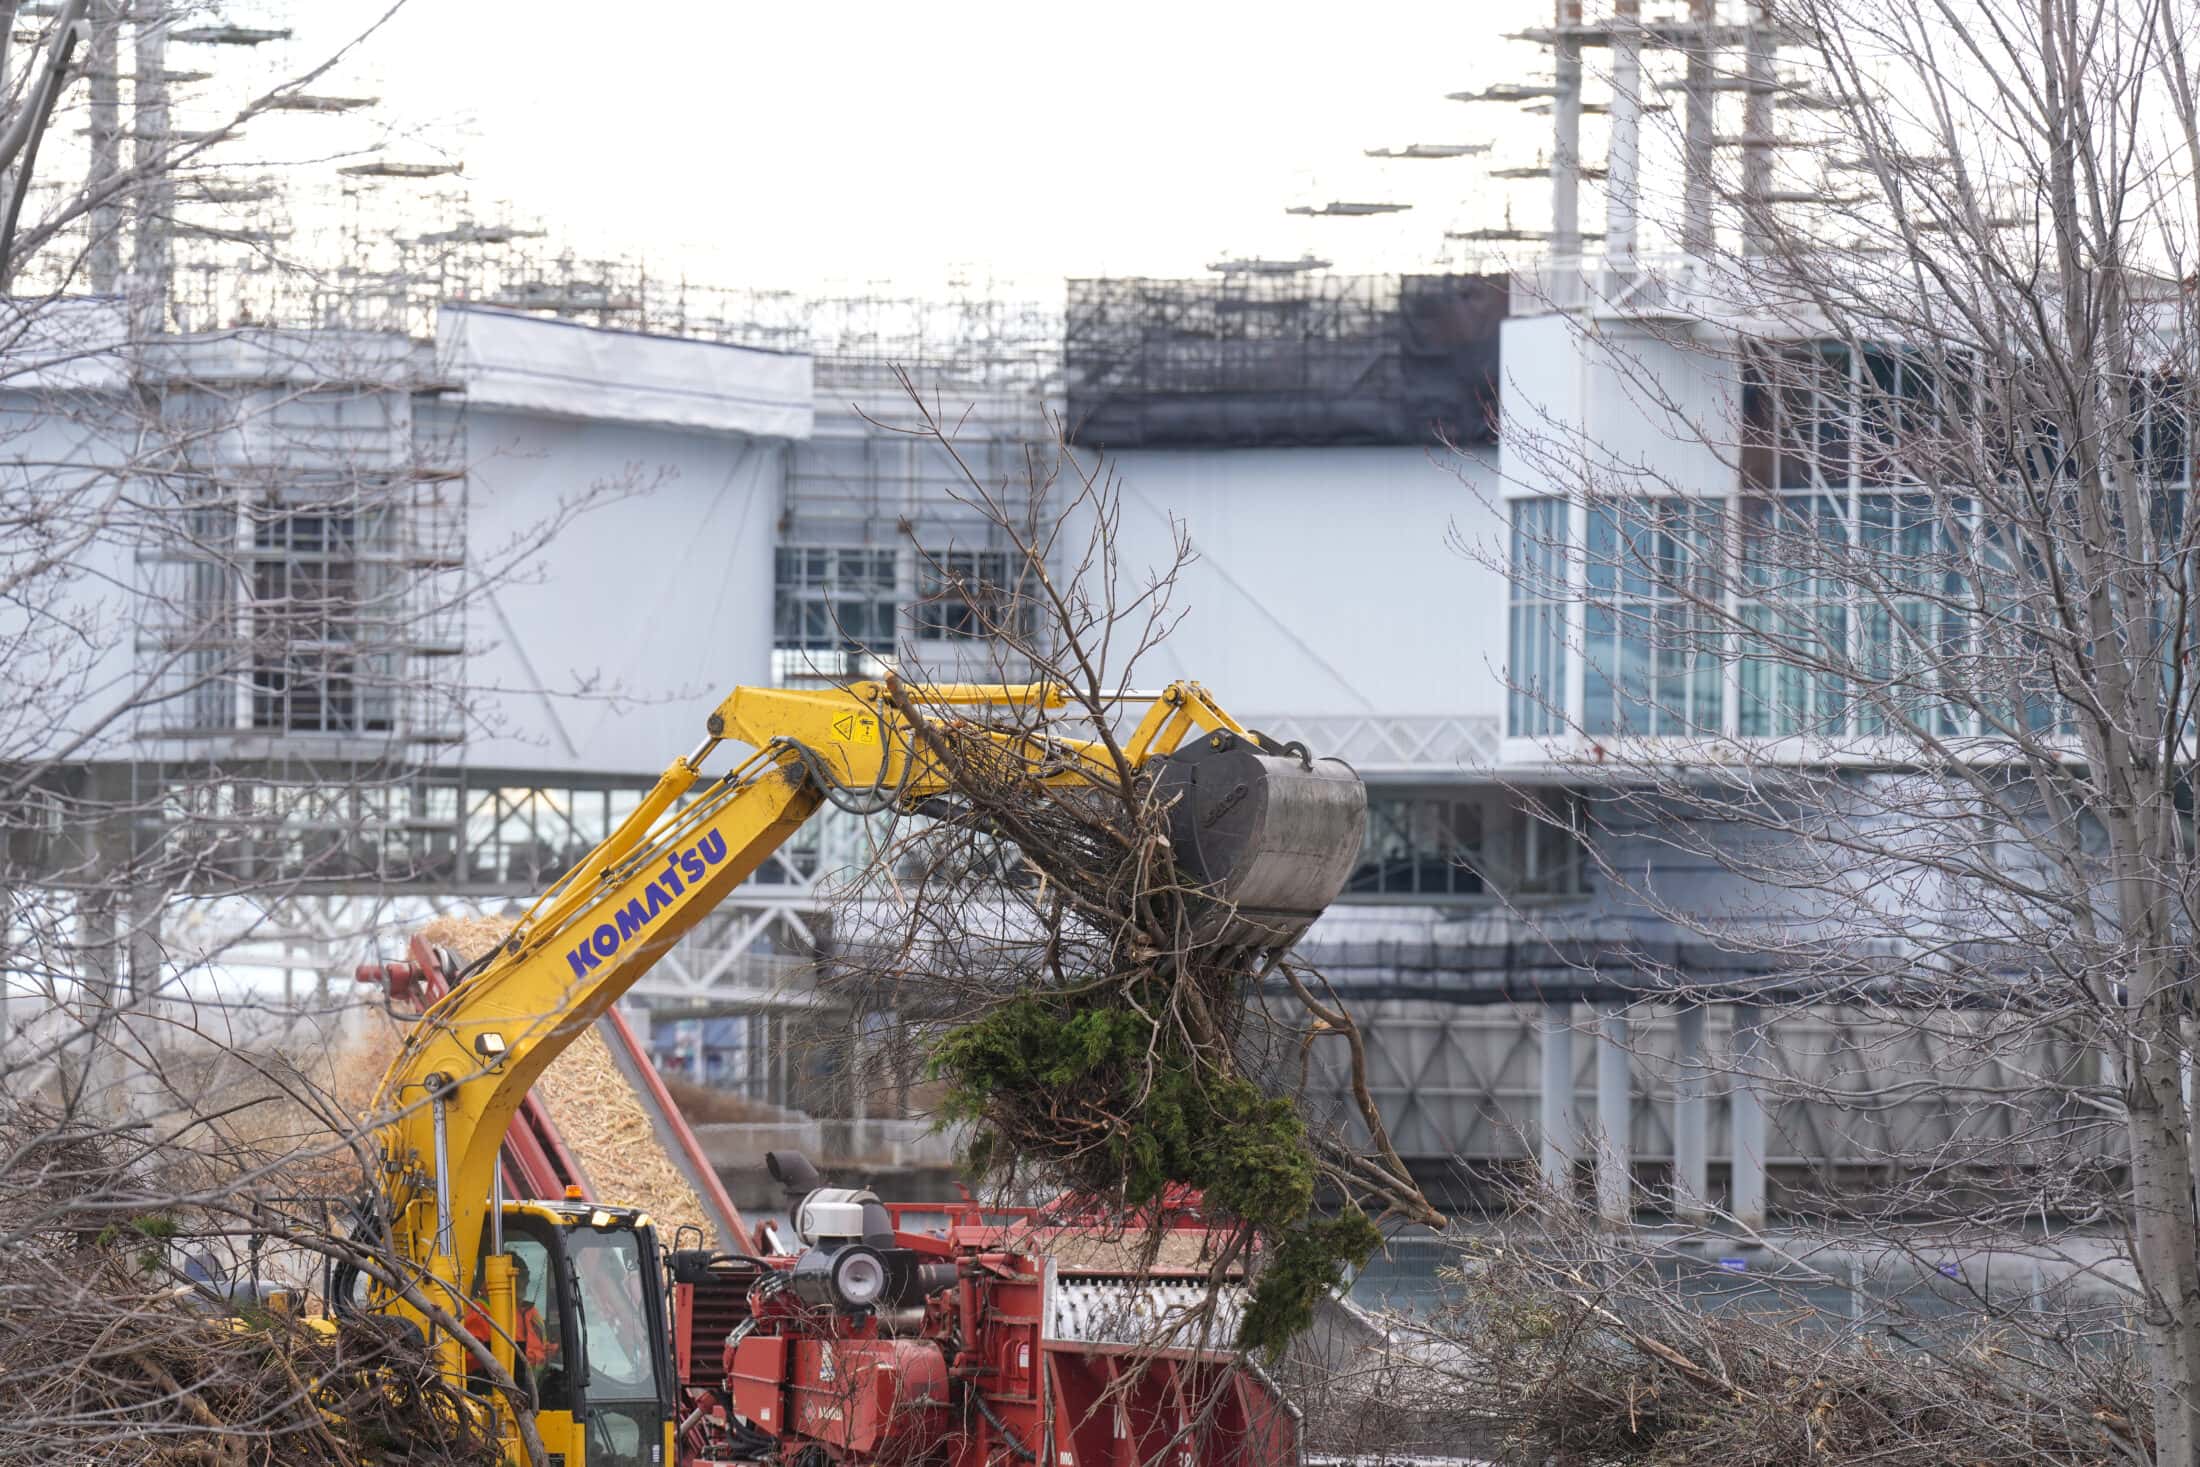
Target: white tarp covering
566, 370
72, 342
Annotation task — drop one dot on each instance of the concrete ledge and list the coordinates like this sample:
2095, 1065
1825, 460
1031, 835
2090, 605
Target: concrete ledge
734, 1146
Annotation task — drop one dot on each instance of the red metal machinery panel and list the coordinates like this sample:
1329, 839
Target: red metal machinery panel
758, 1372
883, 1398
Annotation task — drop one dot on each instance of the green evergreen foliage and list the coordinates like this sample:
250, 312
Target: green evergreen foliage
1092, 1086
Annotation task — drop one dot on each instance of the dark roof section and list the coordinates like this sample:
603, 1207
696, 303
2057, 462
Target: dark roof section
1254, 360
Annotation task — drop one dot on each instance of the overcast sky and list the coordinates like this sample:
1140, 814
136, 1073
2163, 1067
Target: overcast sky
798, 145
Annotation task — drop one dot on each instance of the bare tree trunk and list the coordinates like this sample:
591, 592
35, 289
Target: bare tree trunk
152, 253
2161, 1165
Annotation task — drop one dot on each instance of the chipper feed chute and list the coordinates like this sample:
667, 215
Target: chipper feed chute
1270, 835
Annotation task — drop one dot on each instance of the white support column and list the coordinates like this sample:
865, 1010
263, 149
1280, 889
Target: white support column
1696, 217
1615, 1115
103, 255
1623, 177
1691, 1115
1556, 1119
639, 1019
1760, 66
1566, 137
153, 261
1747, 1108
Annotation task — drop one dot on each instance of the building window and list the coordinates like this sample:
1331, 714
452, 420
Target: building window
1913, 426
834, 611
1466, 843
1857, 573
1824, 657
1814, 416
1650, 660
2164, 446
321, 619
1535, 671
1795, 614
1847, 430
965, 594
828, 598
205, 642
1420, 845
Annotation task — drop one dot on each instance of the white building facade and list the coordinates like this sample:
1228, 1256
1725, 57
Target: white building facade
561, 544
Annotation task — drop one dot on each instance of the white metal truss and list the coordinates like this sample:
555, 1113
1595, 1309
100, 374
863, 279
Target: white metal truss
1435, 744
1457, 1082
309, 945
751, 953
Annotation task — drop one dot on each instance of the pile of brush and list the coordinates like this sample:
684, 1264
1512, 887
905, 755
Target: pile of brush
113, 1350
1564, 1343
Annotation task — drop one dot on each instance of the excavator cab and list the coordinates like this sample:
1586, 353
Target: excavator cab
590, 1306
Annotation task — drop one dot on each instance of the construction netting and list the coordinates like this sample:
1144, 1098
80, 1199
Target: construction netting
1250, 360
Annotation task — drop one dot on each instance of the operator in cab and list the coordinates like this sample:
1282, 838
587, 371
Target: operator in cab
532, 1342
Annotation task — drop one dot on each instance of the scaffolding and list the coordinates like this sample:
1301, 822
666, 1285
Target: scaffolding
1251, 359
298, 578
880, 530
373, 230
1720, 59
297, 615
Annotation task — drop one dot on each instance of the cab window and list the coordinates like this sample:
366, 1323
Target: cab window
535, 1258
621, 1358
553, 1387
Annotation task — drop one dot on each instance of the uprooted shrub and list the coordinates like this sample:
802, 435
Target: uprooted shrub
1089, 1035
1098, 1086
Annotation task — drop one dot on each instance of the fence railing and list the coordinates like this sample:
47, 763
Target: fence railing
1392, 743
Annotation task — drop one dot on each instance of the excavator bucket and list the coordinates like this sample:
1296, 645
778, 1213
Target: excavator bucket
1268, 833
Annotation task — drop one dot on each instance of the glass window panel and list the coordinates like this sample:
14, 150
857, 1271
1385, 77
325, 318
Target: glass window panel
2168, 442
1600, 646
964, 592
1536, 669
1797, 406
830, 600
1636, 632
306, 605
1758, 445
1834, 406
1602, 567
1465, 845
1651, 661
617, 1331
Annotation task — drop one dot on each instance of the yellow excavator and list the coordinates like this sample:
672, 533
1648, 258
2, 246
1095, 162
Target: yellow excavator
1270, 832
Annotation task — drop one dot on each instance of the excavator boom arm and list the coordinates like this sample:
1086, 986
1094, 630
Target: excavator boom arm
472, 1058
469, 1062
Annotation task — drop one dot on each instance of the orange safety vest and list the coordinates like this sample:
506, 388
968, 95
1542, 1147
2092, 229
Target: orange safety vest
527, 1333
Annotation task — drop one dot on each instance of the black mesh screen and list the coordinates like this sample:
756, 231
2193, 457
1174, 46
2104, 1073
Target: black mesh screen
1251, 360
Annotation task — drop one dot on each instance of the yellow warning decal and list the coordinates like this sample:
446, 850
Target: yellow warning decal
856, 728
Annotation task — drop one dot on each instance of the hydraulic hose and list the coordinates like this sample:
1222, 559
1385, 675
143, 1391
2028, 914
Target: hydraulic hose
992, 1419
